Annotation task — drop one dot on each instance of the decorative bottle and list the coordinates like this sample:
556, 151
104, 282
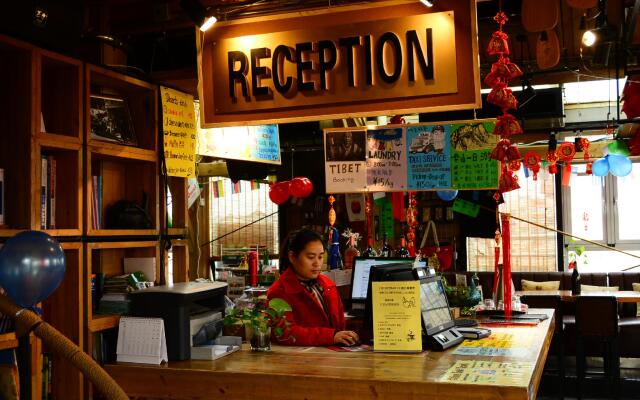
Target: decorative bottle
386, 250
369, 251
402, 252
350, 253
575, 281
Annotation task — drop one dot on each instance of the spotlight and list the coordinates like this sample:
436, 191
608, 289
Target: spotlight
40, 17
198, 14
428, 3
603, 34
588, 38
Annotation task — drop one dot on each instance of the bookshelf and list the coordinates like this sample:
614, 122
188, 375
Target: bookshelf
123, 172
45, 114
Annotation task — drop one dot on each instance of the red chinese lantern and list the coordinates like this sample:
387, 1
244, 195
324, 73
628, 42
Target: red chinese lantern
279, 192
301, 187
532, 161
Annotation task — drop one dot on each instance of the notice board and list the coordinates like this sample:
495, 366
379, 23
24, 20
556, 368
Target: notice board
426, 156
179, 132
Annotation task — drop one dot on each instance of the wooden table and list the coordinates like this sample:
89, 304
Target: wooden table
623, 296
322, 374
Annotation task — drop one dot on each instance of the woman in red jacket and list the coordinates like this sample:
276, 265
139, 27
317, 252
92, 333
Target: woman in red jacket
317, 318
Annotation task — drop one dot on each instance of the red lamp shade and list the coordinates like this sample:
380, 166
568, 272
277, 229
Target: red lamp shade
279, 192
301, 187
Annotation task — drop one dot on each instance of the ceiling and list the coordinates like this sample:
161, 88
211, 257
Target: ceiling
157, 39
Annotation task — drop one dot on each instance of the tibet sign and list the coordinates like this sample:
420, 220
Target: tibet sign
359, 60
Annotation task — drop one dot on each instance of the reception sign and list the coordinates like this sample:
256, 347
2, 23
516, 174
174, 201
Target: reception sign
430, 156
378, 58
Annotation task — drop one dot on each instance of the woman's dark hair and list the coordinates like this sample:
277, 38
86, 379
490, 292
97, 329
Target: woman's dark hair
296, 242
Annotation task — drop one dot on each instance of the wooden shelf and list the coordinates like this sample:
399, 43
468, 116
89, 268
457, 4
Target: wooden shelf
8, 341
120, 151
103, 322
177, 231
122, 232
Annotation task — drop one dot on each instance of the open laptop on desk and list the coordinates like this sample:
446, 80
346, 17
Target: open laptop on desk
360, 280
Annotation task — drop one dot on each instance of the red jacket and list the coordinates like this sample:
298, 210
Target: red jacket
310, 325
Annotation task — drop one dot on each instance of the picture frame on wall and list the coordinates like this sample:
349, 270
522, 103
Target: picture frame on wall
111, 120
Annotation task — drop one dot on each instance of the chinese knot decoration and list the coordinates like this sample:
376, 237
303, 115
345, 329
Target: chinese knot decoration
412, 221
502, 71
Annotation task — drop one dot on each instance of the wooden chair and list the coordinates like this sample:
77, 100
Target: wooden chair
558, 342
597, 321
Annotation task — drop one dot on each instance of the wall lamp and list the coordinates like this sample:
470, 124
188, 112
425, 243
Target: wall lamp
198, 14
428, 3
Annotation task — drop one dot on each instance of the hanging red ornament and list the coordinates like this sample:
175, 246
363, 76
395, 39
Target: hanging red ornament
532, 161
412, 221
332, 212
565, 152
552, 158
507, 125
508, 181
584, 145
501, 18
499, 152
498, 44
502, 96
514, 165
279, 192
301, 187
631, 97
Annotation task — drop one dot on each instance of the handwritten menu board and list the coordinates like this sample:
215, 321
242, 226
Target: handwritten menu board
428, 165
386, 169
259, 143
396, 316
434, 156
179, 132
471, 167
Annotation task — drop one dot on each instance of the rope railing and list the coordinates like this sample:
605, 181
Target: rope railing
27, 321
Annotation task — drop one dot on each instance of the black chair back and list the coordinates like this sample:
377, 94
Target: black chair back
597, 316
547, 301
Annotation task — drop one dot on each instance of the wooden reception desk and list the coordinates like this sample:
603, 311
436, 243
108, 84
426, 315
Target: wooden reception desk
324, 374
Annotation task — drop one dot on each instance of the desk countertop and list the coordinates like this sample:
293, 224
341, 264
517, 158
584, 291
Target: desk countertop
321, 373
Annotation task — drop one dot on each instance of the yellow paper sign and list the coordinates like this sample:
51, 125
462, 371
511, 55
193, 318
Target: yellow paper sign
396, 316
179, 132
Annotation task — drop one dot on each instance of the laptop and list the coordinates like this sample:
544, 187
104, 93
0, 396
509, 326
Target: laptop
360, 280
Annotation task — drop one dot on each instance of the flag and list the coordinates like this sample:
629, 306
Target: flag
235, 187
255, 185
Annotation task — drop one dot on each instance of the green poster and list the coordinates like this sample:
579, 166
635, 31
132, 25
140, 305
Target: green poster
386, 216
466, 207
471, 167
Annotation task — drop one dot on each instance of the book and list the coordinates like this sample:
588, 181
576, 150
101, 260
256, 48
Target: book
2, 194
43, 191
52, 191
94, 202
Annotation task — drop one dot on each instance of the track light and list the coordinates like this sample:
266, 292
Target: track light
428, 3
198, 14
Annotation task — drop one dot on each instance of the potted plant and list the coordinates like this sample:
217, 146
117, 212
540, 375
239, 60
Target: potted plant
258, 317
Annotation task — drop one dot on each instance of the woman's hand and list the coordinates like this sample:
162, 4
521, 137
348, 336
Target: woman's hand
347, 338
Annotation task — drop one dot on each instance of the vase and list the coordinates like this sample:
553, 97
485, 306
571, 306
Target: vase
259, 337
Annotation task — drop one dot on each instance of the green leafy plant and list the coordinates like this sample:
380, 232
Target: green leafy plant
261, 313
576, 253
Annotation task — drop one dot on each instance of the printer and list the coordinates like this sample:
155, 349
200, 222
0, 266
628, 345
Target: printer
192, 313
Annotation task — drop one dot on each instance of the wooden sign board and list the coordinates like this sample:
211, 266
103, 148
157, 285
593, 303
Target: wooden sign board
391, 57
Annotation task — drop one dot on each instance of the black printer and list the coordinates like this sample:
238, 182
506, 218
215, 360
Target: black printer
179, 305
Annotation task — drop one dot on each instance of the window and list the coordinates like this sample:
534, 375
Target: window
603, 210
532, 248
245, 209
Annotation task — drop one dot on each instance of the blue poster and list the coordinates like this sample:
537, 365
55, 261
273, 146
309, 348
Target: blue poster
386, 170
428, 157
267, 146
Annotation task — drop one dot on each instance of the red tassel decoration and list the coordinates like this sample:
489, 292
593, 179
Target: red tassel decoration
532, 161
498, 44
565, 152
506, 265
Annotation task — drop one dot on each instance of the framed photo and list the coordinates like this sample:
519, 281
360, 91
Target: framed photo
111, 120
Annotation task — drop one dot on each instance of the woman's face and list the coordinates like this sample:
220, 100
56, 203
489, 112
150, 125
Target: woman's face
308, 262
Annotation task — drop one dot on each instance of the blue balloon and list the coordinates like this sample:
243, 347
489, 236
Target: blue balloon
620, 165
32, 266
447, 195
601, 167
